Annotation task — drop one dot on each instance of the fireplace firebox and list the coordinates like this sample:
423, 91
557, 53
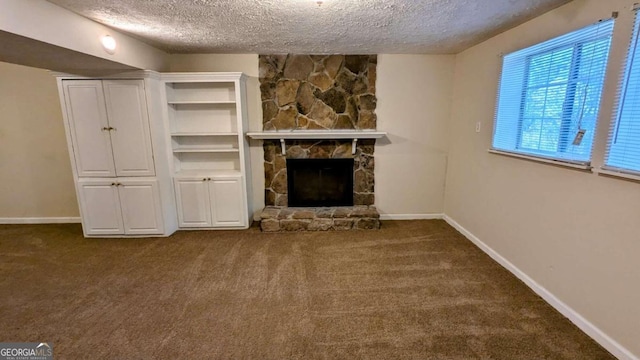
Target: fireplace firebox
320, 182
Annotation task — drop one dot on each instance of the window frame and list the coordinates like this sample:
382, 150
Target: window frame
568, 110
630, 60
571, 83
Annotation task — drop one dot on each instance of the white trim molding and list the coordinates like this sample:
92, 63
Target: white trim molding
41, 220
316, 134
587, 327
283, 135
411, 216
542, 159
631, 175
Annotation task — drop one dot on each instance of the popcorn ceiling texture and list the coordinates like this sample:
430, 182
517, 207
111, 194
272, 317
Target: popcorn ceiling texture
301, 26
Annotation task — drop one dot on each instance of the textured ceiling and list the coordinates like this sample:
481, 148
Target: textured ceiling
302, 26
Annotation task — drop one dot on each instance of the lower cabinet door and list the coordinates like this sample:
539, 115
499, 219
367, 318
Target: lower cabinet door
100, 207
141, 207
227, 202
192, 198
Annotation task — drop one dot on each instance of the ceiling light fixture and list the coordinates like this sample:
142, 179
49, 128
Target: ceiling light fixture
108, 44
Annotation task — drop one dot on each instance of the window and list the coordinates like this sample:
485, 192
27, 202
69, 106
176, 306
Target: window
623, 153
549, 96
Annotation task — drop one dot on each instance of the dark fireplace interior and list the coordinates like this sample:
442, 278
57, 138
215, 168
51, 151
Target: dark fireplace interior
320, 182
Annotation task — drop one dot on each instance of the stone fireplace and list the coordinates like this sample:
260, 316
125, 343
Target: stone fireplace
276, 180
318, 93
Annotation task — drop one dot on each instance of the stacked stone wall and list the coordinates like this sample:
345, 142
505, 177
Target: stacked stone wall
318, 92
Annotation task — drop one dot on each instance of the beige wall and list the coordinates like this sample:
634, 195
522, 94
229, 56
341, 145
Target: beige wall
411, 163
49, 23
35, 171
575, 233
414, 96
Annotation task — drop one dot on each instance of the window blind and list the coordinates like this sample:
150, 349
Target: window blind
623, 151
549, 95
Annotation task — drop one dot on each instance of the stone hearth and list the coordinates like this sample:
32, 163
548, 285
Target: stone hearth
277, 218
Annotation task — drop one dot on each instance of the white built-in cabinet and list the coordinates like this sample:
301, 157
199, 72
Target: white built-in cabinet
206, 117
152, 153
114, 128
129, 207
109, 127
210, 202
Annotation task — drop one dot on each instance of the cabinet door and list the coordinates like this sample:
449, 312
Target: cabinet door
141, 207
127, 111
87, 114
227, 202
192, 198
100, 207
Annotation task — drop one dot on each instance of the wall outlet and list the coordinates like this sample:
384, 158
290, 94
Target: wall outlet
478, 126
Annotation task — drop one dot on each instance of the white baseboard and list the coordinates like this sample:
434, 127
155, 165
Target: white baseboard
411, 216
590, 329
41, 220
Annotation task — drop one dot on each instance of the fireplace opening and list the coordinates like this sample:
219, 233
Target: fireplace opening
320, 182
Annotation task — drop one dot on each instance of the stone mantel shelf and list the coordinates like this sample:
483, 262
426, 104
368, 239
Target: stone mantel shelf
354, 135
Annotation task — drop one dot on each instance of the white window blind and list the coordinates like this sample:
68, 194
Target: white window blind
623, 152
549, 95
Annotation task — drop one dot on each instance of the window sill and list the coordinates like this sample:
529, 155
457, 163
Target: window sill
619, 174
543, 160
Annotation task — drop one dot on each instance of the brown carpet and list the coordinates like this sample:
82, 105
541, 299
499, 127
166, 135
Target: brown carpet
413, 290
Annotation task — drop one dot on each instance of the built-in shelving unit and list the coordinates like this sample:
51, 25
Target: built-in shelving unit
203, 122
206, 117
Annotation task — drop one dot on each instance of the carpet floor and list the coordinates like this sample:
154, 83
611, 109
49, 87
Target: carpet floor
413, 290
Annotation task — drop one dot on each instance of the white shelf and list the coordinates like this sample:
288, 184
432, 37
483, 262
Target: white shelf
202, 118
203, 150
198, 102
176, 134
354, 135
180, 92
206, 161
207, 173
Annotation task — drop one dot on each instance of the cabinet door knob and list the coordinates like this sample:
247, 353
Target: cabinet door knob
204, 179
209, 179
105, 129
112, 128
113, 184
